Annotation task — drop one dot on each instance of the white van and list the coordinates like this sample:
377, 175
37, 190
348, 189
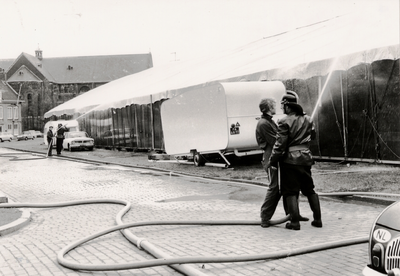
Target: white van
72, 125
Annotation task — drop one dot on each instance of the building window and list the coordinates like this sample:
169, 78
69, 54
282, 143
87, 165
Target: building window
15, 126
1, 113
15, 112
9, 112
9, 126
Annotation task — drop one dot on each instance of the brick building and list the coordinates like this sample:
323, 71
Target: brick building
10, 110
34, 84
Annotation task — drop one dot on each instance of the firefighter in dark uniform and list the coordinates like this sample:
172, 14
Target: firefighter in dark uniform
50, 141
292, 150
266, 136
60, 138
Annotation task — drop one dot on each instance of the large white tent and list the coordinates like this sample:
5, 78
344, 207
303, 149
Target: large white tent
315, 50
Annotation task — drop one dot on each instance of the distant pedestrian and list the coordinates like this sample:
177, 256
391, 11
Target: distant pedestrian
50, 136
266, 131
60, 137
292, 150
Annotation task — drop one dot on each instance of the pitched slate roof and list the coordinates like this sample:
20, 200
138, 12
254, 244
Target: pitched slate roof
6, 63
7, 94
86, 68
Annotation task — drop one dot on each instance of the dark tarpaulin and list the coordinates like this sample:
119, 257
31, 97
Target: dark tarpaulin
358, 116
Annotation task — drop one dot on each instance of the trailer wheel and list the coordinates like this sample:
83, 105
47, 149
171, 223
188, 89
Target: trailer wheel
198, 160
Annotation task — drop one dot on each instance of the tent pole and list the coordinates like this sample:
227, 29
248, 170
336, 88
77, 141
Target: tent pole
136, 126
152, 122
113, 125
343, 117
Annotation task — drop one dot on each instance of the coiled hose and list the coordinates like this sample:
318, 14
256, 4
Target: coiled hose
163, 258
179, 264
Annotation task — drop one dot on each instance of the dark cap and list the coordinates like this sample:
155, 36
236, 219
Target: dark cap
289, 97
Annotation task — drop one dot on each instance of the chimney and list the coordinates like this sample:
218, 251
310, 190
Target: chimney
39, 55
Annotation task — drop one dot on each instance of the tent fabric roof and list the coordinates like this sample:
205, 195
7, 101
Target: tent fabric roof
335, 44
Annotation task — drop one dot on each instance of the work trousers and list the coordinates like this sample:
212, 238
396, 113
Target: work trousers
296, 178
272, 196
59, 145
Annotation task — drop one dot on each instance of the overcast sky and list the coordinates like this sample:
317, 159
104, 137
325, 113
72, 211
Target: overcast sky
169, 29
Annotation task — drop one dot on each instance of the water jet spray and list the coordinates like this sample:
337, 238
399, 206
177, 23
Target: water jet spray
324, 87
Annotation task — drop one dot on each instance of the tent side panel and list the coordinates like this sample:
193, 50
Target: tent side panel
96, 121
117, 124
144, 126
129, 126
358, 116
329, 117
106, 134
157, 126
139, 126
360, 102
134, 129
125, 128
386, 86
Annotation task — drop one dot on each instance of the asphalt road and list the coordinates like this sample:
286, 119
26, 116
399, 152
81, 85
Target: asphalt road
155, 196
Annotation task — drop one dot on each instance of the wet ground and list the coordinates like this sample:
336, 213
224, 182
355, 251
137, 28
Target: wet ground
159, 196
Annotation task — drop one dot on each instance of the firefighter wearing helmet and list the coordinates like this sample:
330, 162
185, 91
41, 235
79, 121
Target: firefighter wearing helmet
292, 150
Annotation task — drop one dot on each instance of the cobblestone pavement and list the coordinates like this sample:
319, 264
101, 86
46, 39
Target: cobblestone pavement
33, 249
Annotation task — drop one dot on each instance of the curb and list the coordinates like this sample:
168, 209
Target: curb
87, 160
17, 224
26, 215
375, 200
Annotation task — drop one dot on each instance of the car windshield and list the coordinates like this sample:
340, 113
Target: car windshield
76, 134
27, 132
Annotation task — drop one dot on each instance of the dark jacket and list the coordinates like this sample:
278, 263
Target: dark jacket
293, 140
49, 135
266, 133
60, 132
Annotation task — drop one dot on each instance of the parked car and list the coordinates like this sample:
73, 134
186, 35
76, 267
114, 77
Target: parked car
25, 136
384, 243
5, 137
38, 134
77, 140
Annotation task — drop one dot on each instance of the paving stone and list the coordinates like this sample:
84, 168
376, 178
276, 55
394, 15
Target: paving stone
163, 198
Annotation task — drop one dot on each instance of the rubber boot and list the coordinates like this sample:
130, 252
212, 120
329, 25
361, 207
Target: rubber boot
293, 208
313, 200
301, 218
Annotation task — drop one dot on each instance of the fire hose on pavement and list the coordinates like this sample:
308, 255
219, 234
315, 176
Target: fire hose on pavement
178, 264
